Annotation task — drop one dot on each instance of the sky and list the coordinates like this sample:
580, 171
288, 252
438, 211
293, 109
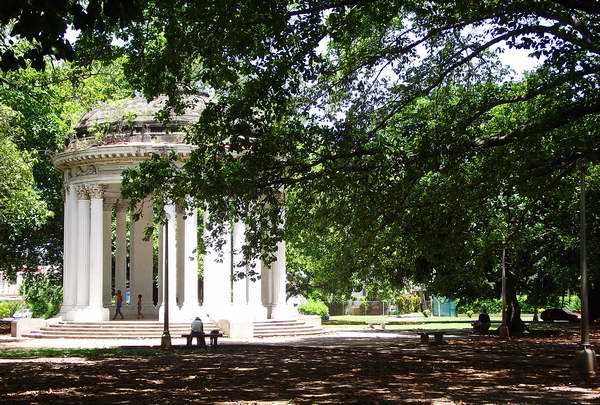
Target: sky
517, 59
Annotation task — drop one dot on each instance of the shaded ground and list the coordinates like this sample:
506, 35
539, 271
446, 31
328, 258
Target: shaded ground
351, 369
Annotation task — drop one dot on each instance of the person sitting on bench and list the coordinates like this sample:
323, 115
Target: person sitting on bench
198, 331
482, 325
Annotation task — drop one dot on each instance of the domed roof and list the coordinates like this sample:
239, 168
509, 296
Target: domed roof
139, 112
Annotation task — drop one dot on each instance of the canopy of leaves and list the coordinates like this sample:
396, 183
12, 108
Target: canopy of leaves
39, 109
407, 147
399, 139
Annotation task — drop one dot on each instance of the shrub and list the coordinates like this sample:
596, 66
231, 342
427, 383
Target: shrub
314, 307
573, 303
426, 313
469, 313
408, 303
8, 308
42, 293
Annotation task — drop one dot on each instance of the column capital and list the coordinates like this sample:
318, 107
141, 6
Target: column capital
96, 191
109, 202
122, 205
82, 192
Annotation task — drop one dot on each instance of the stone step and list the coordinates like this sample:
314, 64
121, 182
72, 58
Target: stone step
294, 327
95, 336
154, 329
111, 331
279, 322
315, 332
125, 327
121, 323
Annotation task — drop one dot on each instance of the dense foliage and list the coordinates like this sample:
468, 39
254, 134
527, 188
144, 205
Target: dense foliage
399, 144
42, 293
8, 308
314, 307
37, 112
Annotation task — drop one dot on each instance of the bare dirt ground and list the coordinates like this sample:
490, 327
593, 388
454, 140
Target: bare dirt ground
369, 368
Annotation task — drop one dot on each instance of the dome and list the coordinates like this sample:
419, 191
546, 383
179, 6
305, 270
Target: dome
137, 113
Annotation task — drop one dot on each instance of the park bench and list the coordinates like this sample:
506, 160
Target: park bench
213, 335
438, 337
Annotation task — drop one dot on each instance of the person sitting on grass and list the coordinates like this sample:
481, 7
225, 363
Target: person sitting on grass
482, 325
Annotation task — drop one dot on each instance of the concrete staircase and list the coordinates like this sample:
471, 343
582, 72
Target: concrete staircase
112, 330
292, 327
154, 329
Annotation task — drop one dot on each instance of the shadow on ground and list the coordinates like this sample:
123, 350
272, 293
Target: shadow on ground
323, 370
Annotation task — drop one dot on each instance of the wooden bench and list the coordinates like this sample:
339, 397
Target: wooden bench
213, 335
438, 337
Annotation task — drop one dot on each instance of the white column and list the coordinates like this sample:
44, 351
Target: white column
240, 287
266, 286
95, 310
180, 242
278, 271
254, 290
107, 252
141, 262
83, 246
171, 242
217, 280
161, 262
70, 250
191, 308
121, 248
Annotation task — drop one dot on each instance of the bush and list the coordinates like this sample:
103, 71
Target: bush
8, 308
314, 307
408, 303
469, 313
42, 293
426, 313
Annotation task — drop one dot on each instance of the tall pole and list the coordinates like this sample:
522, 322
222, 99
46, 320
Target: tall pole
165, 341
503, 331
586, 357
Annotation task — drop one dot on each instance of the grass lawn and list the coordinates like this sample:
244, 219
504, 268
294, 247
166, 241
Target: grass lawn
394, 323
104, 353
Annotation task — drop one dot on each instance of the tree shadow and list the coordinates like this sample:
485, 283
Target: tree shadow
472, 369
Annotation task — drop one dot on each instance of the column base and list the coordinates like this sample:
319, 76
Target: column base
283, 312
69, 313
585, 362
215, 312
91, 314
248, 312
175, 314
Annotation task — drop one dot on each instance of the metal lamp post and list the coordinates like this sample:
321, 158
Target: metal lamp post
165, 340
586, 357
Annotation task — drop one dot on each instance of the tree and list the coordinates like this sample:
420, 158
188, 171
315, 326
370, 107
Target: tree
21, 205
382, 115
39, 110
393, 122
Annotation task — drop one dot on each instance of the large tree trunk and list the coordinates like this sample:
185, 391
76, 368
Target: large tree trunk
515, 324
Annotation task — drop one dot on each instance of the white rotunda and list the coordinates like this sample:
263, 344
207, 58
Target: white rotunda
105, 250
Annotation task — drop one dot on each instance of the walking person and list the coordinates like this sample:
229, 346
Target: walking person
139, 305
119, 302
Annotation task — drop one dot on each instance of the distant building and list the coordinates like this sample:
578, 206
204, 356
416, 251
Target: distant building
9, 290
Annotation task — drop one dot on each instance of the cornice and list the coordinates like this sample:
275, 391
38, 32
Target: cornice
128, 154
